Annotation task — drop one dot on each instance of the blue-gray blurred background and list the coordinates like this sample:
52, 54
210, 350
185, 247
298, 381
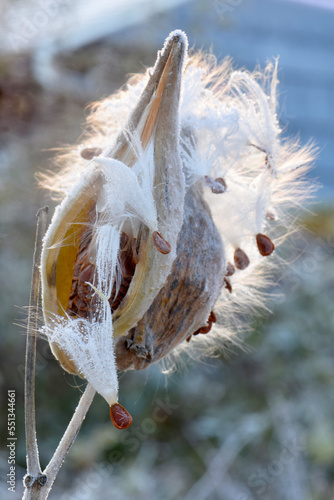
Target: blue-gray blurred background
257, 423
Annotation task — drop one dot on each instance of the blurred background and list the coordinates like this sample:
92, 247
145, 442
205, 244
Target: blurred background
255, 424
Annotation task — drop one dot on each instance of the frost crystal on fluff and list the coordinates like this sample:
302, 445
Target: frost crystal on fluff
173, 206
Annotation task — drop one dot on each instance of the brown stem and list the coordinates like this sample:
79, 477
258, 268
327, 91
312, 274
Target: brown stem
33, 466
67, 440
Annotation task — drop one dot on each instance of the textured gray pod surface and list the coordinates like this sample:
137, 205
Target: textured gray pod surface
184, 303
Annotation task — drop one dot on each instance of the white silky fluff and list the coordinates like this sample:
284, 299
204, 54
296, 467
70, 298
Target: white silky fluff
233, 116
90, 345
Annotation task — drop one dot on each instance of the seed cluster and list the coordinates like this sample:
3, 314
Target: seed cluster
81, 301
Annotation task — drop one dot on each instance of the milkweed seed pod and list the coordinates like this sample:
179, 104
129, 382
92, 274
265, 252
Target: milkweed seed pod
169, 211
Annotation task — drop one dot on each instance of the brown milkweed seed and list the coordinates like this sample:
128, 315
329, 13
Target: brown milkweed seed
228, 285
126, 265
206, 328
241, 259
217, 186
89, 153
120, 417
220, 186
230, 269
135, 254
212, 317
264, 244
123, 241
87, 273
270, 215
160, 243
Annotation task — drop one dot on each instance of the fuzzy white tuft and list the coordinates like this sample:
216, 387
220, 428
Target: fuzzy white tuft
237, 137
87, 345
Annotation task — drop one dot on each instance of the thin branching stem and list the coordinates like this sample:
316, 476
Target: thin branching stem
67, 440
41, 488
33, 465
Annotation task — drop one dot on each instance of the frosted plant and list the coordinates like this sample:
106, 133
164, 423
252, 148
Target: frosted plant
171, 210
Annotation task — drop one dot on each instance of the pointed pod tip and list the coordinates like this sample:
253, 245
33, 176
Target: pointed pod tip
120, 417
264, 244
175, 47
178, 36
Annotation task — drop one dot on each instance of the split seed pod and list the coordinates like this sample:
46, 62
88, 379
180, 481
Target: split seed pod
81, 262
139, 251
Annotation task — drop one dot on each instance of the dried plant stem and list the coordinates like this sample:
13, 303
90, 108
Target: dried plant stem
38, 484
41, 488
67, 440
33, 466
